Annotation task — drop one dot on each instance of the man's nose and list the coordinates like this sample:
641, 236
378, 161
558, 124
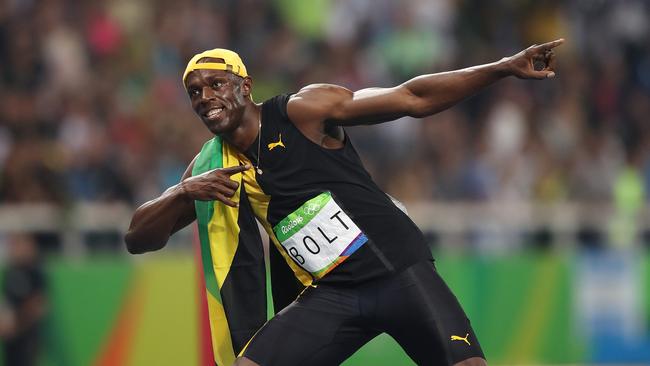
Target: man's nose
208, 93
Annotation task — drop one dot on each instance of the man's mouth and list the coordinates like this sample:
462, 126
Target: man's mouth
213, 113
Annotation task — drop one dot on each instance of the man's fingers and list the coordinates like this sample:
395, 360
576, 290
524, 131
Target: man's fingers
235, 169
542, 62
549, 45
538, 62
223, 189
540, 75
231, 184
225, 200
228, 192
550, 61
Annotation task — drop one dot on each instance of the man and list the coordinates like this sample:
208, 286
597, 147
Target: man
367, 266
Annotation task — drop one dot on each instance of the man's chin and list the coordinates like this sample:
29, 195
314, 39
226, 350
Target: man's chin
217, 128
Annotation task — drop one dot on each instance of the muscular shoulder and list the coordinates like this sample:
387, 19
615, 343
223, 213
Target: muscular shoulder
317, 102
313, 106
323, 89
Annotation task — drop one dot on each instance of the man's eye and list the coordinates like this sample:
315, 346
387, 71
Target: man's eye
217, 84
193, 92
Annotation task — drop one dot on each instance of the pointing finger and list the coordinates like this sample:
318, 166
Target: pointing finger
550, 45
236, 169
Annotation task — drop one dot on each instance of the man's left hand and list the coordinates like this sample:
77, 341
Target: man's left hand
523, 65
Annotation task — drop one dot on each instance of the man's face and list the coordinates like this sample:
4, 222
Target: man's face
218, 97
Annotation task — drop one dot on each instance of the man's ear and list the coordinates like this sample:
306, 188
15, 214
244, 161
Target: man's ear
247, 86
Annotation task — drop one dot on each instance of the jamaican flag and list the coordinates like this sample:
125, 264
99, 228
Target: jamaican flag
233, 263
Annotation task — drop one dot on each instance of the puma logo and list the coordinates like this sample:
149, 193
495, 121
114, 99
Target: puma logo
459, 338
273, 145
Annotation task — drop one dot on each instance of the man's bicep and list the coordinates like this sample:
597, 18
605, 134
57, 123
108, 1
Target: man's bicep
340, 106
375, 105
316, 103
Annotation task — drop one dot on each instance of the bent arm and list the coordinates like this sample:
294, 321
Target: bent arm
156, 220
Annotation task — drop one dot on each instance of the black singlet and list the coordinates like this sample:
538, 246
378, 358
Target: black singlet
388, 285
296, 170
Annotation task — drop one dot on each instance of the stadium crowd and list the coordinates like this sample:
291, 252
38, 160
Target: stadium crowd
92, 107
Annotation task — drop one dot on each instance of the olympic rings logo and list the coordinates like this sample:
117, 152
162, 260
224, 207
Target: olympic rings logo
312, 209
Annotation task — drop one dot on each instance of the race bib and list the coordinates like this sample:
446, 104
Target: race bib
319, 235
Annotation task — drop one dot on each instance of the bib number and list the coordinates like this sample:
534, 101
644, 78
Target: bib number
319, 235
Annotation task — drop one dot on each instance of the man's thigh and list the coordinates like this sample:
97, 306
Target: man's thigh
426, 319
322, 327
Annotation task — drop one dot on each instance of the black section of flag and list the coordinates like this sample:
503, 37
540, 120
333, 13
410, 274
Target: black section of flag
243, 293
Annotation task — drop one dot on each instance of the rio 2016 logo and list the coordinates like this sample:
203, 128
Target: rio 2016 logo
293, 223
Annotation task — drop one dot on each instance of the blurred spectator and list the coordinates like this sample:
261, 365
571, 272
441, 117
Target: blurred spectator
24, 302
92, 108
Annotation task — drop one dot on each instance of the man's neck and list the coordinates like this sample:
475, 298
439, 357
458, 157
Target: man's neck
244, 135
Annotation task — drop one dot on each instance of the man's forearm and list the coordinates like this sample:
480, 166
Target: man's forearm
156, 220
436, 92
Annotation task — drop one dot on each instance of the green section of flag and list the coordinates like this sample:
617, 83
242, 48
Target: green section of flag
301, 217
270, 307
210, 157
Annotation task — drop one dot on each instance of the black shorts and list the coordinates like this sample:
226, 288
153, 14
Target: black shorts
328, 323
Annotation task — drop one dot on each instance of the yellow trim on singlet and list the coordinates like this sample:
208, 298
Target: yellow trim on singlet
260, 204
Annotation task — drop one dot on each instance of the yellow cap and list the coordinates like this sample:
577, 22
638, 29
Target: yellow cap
232, 62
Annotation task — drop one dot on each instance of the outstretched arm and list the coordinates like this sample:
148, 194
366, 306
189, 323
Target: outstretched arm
421, 96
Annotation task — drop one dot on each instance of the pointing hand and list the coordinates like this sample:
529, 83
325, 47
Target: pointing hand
535, 62
213, 185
